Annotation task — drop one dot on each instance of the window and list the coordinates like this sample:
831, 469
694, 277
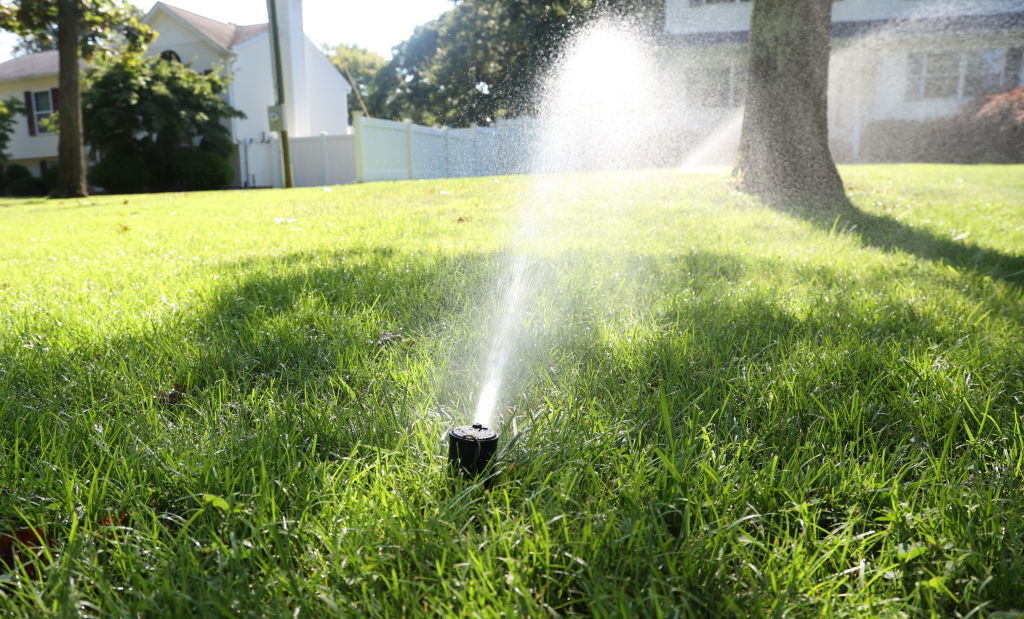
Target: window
984, 72
42, 109
720, 86
954, 74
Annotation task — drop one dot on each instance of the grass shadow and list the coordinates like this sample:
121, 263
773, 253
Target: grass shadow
890, 235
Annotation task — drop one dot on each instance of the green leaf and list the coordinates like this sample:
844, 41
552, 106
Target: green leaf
217, 502
909, 552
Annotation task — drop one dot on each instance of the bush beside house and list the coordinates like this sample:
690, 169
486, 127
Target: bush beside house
17, 181
988, 130
158, 125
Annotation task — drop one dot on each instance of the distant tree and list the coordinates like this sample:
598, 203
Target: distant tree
159, 125
483, 59
83, 27
359, 66
784, 154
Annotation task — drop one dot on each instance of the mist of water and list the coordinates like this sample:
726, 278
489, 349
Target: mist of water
596, 111
614, 101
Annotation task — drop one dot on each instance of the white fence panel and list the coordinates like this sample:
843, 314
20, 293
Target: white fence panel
323, 160
316, 160
428, 152
382, 149
389, 150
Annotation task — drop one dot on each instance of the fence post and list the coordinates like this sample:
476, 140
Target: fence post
408, 146
357, 132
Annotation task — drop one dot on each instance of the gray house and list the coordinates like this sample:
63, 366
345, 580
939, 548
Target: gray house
911, 60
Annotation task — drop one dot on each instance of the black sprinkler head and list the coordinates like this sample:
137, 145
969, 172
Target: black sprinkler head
470, 448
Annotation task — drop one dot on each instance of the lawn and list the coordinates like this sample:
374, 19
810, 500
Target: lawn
719, 409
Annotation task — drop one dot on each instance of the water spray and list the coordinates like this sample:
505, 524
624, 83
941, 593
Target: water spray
470, 449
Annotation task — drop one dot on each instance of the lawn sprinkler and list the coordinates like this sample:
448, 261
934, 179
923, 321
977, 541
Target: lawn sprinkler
470, 448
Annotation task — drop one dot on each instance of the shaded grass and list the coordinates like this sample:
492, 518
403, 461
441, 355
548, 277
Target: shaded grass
726, 410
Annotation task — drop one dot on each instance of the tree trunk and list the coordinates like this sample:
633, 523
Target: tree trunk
70, 153
784, 154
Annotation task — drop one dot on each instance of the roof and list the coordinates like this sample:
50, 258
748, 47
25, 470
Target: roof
39, 64
29, 65
224, 36
846, 29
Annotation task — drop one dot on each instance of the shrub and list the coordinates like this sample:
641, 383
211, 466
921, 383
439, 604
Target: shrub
1000, 122
201, 170
987, 130
162, 113
120, 173
16, 171
13, 178
24, 187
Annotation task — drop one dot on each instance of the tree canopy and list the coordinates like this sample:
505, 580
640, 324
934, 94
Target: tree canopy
482, 59
358, 66
43, 41
37, 24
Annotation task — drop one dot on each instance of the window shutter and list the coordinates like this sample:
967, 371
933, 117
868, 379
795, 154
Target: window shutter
30, 113
55, 98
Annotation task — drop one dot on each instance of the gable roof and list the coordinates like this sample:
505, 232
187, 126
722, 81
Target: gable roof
39, 64
221, 35
30, 65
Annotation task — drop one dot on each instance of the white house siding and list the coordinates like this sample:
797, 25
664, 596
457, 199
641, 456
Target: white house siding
327, 94
324, 91
253, 90
24, 149
891, 65
193, 50
683, 17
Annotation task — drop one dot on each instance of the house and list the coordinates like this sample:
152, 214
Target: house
910, 60
32, 79
315, 92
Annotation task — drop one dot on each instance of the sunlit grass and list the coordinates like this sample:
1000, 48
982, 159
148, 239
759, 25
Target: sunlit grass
727, 410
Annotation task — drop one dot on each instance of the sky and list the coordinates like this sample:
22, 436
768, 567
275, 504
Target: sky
374, 24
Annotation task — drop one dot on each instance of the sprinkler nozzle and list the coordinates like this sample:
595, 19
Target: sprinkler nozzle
470, 448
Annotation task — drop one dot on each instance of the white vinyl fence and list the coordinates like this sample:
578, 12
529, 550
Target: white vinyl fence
384, 150
387, 150
316, 160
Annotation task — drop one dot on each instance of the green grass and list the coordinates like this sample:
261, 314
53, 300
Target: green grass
727, 410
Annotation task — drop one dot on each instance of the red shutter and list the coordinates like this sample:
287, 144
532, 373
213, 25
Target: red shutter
54, 98
30, 113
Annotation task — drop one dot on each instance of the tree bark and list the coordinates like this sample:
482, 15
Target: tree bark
70, 152
784, 154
